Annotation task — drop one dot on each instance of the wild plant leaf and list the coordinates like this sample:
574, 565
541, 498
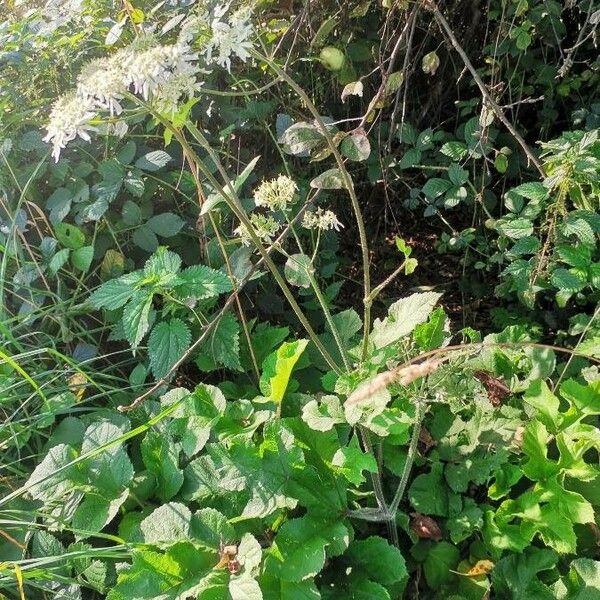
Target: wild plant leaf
431, 334
162, 264
547, 405
201, 282
143, 237
356, 146
95, 512
161, 457
211, 528
137, 316
115, 293
153, 161
50, 479
352, 461
278, 367
298, 270
377, 559
300, 138
324, 414
81, 258
402, 318
298, 551
166, 224
428, 494
328, 180
167, 524
441, 560
167, 343
222, 346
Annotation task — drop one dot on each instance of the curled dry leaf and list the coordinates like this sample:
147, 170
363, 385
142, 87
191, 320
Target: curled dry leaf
425, 527
496, 390
518, 439
426, 441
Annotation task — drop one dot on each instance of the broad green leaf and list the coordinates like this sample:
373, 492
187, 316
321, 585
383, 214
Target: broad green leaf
545, 402
567, 280
402, 318
58, 260
244, 588
301, 138
45, 483
168, 524
96, 511
377, 559
153, 161
222, 347
298, 270
432, 334
136, 316
202, 282
515, 228
532, 190
166, 224
435, 187
329, 180
352, 461
115, 293
162, 263
536, 440
167, 343
278, 367
82, 258
69, 236
298, 551
324, 414
441, 560
428, 494
161, 457
143, 237
356, 146
211, 528
455, 150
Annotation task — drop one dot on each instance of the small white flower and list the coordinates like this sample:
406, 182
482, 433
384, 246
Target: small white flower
276, 194
265, 227
229, 38
102, 81
321, 219
69, 118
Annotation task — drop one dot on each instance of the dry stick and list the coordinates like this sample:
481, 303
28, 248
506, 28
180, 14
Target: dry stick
213, 323
445, 26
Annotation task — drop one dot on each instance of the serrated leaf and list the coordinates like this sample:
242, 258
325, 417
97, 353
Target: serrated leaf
278, 367
44, 483
435, 187
565, 279
532, 190
161, 457
136, 316
167, 343
223, 344
82, 258
58, 260
455, 150
352, 461
168, 524
166, 224
202, 282
143, 237
115, 293
402, 318
153, 161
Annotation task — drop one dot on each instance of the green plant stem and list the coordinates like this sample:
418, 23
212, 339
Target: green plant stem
349, 187
377, 290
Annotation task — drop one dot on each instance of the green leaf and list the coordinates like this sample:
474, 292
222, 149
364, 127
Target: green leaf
532, 190
168, 524
298, 551
278, 367
567, 280
536, 440
377, 559
166, 224
168, 342
432, 334
115, 293
153, 161
402, 318
428, 493
136, 316
202, 282
441, 560
45, 483
539, 396
298, 270
515, 576
356, 146
58, 260
329, 180
300, 138
455, 150
161, 264
95, 512
143, 237
351, 461
435, 187
222, 345
161, 457
211, 528
410, 158
458, 176
323, 415
244, 588
82, 258
515, 228
69, 236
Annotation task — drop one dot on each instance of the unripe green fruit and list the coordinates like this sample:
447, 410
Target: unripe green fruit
332, 58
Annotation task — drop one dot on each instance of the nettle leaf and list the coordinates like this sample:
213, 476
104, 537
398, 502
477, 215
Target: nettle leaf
166, 224
162, 263
137, 316
532, 190
298, 551
278, 367
222, 346
168, 342
329, 180
402, 318
378, 560
202, 282
153, 161
115, 293
356, 146
298, 270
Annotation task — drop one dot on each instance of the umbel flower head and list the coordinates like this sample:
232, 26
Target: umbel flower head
276, 194
265, 227
230, 37
321, 219
70, 118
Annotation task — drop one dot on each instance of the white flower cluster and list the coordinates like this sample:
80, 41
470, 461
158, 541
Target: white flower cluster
321, 219
164, 75
265, 227
276, 194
